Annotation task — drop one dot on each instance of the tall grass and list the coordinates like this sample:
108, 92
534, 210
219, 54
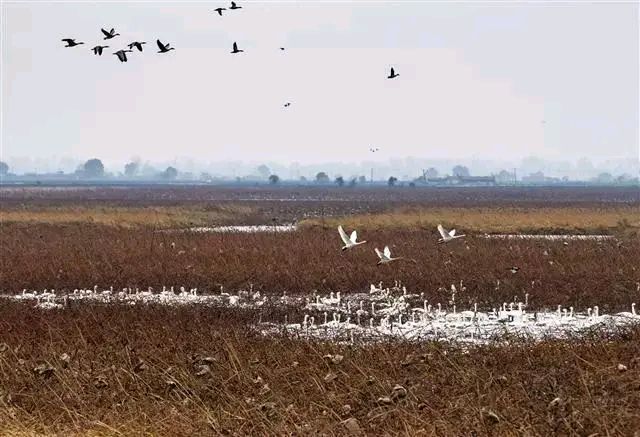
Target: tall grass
622, 219
121, 370
192, 371
580, 274
130, 216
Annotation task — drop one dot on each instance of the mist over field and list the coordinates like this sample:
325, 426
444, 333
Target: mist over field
489, 86
404, 168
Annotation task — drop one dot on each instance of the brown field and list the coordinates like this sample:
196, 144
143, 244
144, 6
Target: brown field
570, 220
440, 196
74, 255
66, 239
573, 220
477, 210
133, 371
128, 216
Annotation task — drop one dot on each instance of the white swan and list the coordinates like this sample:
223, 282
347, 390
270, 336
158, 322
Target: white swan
447, 235
629, 314
385, 256
349, 242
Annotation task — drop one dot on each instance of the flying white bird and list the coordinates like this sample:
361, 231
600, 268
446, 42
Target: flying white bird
447, 235
349, 242
385, 257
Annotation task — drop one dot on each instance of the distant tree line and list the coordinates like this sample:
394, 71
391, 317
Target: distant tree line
94, 169
4, 168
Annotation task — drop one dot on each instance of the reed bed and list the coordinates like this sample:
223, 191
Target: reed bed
65, 257
113, 370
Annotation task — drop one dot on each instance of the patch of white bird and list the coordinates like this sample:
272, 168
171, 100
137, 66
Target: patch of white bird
394, 313
375, 314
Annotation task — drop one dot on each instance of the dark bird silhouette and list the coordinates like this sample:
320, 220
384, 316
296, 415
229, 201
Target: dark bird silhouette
219, 10
374, 150
111, 34
97, 50
137, 44
164, 48
234, 6
393, 74
122, 55
286, 105
282, 48
235, 48
71, 42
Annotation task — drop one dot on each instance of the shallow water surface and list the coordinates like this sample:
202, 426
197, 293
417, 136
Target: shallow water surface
381, 313
246, 229
549, 237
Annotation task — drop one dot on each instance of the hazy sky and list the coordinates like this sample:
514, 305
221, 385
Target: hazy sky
476, 80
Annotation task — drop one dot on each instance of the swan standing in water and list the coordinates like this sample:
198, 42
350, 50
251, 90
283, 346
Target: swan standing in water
629, 314
447, 235
349, 242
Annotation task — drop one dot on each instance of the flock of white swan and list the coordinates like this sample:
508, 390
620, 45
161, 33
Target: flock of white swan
378, 313
375, 314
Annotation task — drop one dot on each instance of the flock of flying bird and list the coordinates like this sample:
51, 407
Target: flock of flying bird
164, 48
384, 256
121, 54
351, 241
